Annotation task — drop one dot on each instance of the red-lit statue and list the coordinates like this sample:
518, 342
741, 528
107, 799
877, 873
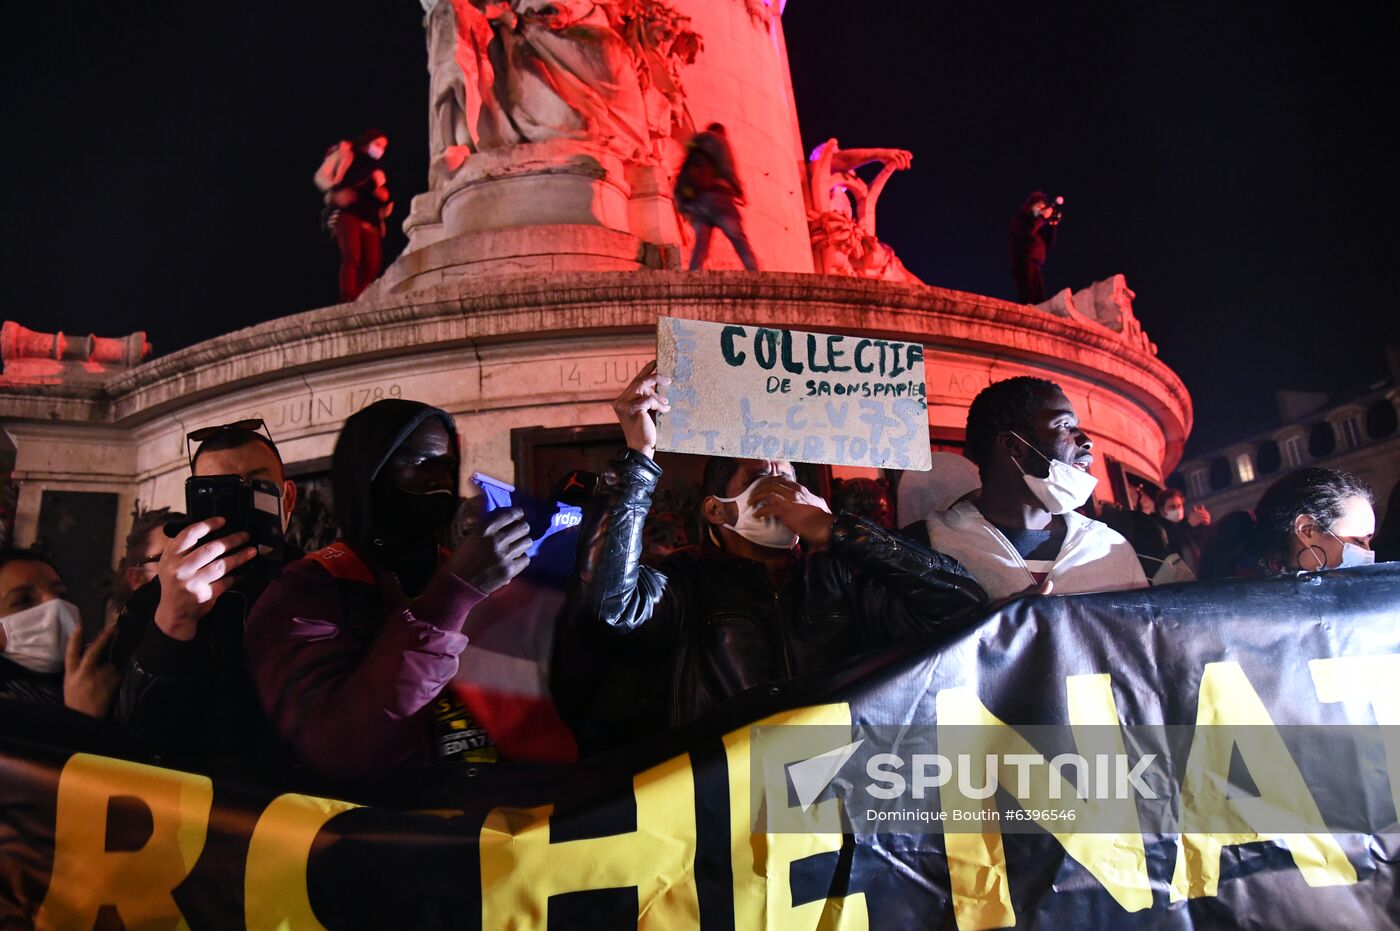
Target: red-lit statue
504, 74
842, 216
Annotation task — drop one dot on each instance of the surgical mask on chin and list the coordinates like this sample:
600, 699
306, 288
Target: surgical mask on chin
1353, 555
36, 637
762, 531
1064, 489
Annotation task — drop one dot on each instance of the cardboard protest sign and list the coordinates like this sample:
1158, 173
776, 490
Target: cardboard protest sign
768, 393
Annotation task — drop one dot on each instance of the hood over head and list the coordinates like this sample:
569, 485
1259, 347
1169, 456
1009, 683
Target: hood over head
365, 444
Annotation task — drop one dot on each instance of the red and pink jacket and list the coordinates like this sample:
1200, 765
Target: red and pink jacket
348, 670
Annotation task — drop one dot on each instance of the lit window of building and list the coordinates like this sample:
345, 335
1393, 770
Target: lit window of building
1244, 468
1196, 482
1351, 433
1293, 451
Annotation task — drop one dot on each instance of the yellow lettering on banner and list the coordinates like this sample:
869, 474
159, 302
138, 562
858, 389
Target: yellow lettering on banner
521, 868
1227, 698
976, 861
1369, 679
762, 863
274, 885
139, 883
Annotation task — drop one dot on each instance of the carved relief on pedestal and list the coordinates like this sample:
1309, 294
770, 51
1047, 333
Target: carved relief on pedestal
842, 214
1108, 303
603, 75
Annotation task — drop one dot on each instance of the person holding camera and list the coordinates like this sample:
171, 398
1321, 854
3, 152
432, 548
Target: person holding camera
187, 697
1032, 235
355, 647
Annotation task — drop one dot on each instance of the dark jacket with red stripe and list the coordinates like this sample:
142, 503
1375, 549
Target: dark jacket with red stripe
347, 669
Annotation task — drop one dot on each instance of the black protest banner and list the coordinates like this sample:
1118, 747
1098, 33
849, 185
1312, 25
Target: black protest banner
659, 836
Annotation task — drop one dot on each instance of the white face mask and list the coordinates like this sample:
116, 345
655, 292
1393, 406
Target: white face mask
375, 152
36, 637
1174, 515
1353, 555
763, 531
1064, 489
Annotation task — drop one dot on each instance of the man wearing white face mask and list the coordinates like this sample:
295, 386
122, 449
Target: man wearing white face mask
41, 654
749, 605
1020, 533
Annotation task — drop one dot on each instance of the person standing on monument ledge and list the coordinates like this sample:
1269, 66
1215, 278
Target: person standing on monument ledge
1032, 236
708, 193
357, 196
777, 588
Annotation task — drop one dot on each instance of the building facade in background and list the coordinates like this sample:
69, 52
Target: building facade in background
1360, 435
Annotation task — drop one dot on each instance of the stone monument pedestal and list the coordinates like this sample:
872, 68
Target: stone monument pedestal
558, 205
524, 250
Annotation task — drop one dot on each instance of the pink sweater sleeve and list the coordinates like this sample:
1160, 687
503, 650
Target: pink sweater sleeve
351, 707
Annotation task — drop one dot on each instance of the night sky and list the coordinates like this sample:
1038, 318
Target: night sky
1230, 159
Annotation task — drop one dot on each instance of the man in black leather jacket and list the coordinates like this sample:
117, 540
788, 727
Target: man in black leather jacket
734, 612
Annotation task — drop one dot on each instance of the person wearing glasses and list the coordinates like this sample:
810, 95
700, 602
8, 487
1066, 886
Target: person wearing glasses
187, 696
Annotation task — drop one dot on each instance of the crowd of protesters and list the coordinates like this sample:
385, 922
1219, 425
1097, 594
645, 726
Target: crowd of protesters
230, 657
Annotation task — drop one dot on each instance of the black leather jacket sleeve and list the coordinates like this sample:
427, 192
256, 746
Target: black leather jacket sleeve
902, 588
611, 584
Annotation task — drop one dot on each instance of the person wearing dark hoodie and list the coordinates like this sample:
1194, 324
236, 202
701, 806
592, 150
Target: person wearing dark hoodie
353, 648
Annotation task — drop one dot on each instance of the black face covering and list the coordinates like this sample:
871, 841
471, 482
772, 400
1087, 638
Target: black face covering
404, 518
396, 530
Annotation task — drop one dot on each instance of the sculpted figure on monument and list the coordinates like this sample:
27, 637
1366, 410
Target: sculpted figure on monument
457, 40
1108, 303
507, 73
661, 41
842, 216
